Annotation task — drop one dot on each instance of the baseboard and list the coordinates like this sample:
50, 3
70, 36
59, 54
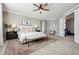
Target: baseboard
76, 41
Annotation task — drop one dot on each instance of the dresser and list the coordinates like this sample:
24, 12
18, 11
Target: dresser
11, 35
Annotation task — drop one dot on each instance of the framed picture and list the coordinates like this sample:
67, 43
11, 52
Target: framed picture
26, 22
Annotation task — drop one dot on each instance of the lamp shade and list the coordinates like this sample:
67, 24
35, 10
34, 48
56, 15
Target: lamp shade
35, 26
13, 25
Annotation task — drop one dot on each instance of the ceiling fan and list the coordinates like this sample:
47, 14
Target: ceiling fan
41, 7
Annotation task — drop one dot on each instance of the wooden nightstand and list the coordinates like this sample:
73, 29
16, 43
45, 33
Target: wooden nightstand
11, 35
37, 30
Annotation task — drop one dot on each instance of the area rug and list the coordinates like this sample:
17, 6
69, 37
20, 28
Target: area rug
15, 48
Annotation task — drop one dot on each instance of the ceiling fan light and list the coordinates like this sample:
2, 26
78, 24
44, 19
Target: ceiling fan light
40, 10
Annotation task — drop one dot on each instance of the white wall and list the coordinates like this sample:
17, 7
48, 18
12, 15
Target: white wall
76, 25
44, 28
1, 26
61, 26
10, 18
43, 25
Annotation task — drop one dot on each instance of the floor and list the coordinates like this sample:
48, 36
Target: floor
62, 46
2, 48
70, 37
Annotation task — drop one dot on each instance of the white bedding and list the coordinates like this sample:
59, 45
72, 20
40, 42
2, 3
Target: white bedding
22, 35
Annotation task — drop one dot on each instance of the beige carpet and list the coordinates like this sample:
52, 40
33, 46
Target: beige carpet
14, 48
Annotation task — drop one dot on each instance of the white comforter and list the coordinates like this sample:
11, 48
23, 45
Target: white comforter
29, 35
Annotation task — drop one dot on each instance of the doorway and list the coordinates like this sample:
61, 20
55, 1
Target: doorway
69, 29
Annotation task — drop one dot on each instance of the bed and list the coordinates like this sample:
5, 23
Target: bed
27, 34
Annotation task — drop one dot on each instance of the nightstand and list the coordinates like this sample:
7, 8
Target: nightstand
11, 35
37, 30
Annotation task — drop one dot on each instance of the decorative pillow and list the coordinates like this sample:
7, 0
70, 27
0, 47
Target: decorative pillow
27, 29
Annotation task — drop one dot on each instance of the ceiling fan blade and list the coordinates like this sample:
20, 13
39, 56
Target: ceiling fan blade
35, 9
46, 9
46, 4
36, 5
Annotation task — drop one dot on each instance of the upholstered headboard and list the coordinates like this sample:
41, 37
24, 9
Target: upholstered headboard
27, 28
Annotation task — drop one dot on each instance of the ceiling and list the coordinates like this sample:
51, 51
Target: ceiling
56, 10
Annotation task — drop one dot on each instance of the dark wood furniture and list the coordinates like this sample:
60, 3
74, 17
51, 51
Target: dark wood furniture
67, 32
11, 35
37, 30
